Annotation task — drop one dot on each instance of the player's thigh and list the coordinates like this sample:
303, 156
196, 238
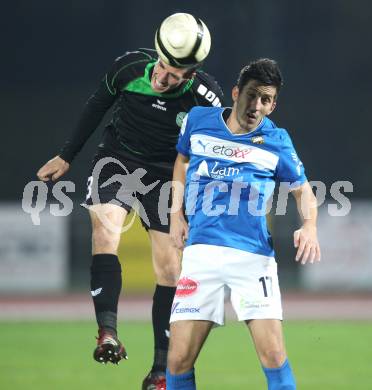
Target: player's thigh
166, 258
200, 290
107, 224
267, 335
186, 341
157, 203
110, 181
253, 280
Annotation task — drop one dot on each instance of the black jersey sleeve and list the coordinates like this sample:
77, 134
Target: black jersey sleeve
120, 73
93, 112
207, 91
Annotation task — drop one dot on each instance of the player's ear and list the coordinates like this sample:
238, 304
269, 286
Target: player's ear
193, 74
235, 93
188, 75
272, 107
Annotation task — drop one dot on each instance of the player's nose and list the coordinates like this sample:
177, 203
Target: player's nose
255, 104
162, 77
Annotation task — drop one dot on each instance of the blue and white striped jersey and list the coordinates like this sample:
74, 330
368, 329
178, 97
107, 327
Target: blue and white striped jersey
231, 177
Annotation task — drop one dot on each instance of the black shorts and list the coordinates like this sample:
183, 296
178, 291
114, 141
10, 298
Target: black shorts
127, 184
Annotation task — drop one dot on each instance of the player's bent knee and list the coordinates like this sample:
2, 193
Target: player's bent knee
107, 220
105, 241
178, 363
167, 270
179, 356
272, 358
168, 276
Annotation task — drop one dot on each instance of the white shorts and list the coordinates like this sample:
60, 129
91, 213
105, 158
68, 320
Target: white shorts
210, 271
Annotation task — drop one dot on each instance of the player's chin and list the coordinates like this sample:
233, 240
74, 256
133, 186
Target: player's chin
159, 89
245, 123
250, 122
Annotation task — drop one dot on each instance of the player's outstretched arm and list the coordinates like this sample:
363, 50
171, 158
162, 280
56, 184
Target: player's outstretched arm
178, 226
306, 238
53, 169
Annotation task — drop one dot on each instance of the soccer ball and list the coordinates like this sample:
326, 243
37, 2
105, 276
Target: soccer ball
182, 40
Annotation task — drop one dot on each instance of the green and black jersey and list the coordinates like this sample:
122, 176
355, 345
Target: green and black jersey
145, 124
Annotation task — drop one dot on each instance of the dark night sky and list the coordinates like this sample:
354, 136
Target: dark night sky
55, 53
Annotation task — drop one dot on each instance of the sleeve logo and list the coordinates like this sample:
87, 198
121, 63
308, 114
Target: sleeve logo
209, 95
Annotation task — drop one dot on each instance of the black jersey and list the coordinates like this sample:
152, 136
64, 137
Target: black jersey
145, 124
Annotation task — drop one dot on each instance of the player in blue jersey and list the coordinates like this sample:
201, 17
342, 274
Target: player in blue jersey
234, 158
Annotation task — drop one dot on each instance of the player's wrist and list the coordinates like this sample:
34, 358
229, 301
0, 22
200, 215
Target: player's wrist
309, 225
176, 215
65, 157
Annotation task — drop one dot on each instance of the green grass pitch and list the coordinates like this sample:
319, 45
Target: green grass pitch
58, 356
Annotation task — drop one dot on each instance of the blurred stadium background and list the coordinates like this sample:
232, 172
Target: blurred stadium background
54, 54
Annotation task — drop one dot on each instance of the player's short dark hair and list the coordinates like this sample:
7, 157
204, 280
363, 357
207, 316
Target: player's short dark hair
191, 70
264, 70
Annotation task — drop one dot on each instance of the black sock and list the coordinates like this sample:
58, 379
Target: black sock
105, 286
161, 310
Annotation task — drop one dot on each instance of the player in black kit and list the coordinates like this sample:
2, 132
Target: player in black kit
150, 91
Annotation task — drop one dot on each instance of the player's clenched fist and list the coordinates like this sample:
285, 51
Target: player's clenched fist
53, 169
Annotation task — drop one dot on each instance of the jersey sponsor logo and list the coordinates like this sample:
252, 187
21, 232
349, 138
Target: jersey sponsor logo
231, 152
254, 305
258, 140
217, 171
203, 169
181, 121
202, 145
159, 105
226, 151
186, 287
180, 310
209, 95
213, 147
